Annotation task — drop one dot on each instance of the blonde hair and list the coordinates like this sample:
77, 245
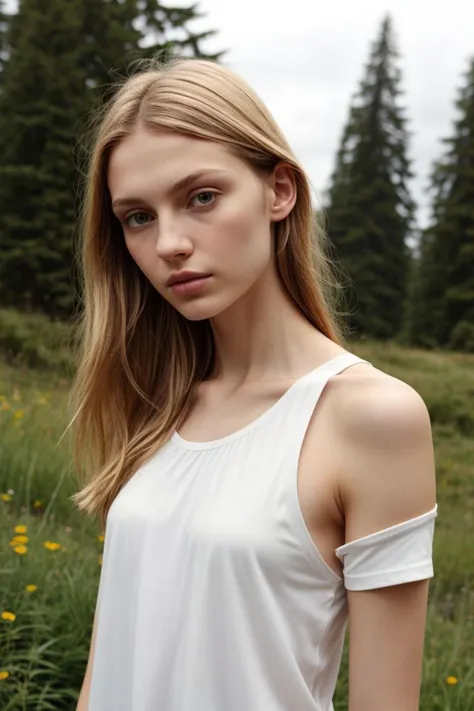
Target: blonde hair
138, 360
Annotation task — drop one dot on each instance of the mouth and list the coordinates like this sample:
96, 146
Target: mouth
190, 285
185, 278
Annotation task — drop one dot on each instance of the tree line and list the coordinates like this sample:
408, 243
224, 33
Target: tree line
406, 283
58, 61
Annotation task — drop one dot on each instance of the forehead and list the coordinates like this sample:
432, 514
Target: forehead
164, 158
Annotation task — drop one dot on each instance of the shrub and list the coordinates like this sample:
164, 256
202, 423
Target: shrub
35, 340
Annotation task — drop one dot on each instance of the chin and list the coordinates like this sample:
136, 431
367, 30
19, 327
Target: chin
197, 312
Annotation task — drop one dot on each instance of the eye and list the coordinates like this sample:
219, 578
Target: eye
141, 218
206, 197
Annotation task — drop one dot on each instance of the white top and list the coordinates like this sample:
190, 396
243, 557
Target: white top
213, 596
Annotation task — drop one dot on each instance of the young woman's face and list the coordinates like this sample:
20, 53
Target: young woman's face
187, 205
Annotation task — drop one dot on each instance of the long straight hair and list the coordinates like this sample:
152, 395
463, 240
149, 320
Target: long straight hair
138, 359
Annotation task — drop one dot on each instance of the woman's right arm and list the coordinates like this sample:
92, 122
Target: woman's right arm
83, 702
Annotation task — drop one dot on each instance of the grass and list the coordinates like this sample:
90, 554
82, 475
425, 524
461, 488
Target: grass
44, 648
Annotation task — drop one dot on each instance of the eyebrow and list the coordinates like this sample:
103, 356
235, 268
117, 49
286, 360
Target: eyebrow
176, 188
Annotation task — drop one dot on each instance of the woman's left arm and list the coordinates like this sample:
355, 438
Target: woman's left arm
389, 479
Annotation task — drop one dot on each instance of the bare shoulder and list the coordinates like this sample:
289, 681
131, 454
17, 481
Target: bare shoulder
372, 408
382, 450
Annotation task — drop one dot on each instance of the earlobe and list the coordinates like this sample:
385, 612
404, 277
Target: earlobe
284, 192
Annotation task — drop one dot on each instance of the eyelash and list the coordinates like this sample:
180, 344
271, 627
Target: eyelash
126, 221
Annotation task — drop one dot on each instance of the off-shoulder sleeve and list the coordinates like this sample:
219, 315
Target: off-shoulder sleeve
395, 555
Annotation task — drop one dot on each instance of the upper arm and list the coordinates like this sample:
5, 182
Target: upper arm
388, 478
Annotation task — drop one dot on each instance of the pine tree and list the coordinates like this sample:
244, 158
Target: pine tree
370, 211
63, 55
444, 316
43, 95
163, 27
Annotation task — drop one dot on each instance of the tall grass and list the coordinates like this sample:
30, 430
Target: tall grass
44, 648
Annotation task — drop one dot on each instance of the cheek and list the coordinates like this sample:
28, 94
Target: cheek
144, 257
137, 252
242, 234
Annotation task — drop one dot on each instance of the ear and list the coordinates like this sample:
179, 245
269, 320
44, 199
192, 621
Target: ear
283, 191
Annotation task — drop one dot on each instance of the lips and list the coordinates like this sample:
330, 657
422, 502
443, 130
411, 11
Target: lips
185, 277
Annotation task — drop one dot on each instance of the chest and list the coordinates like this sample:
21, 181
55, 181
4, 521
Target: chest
215, 416
217, 413
236, 498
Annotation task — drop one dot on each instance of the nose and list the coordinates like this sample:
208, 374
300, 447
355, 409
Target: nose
172, 242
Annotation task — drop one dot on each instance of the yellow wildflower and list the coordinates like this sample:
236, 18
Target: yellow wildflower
31, 588
51, 546
9, 616
18, 414
21, 549
4, 675
6, 497
5, 405
451, 680
37, 504
19, 539
100, 538
21, 529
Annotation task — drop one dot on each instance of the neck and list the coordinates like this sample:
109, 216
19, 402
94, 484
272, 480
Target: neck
265, 336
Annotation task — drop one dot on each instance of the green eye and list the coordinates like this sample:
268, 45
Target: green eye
141, 218
208, 196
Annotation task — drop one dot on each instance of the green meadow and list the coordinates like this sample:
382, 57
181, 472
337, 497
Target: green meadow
50, 555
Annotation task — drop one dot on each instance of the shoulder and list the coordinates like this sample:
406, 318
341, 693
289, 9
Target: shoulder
376, 409
383, 450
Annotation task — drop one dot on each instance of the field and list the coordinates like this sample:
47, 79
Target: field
50, 555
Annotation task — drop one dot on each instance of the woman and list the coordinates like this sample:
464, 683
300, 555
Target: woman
260, 484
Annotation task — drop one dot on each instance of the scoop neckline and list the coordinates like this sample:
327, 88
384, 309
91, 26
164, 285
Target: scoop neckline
220, 441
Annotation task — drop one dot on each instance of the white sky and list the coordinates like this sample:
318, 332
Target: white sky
305, 59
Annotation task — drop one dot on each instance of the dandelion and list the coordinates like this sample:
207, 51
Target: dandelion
51, 546
31, 588
451, 680
18, 414
19, 539
5, 406
4, 675
20, 529
8, 616
100, 538
37, 504
21, 549
6, 497
10, 491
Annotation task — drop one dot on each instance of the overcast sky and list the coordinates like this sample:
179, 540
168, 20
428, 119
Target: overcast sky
305, 58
